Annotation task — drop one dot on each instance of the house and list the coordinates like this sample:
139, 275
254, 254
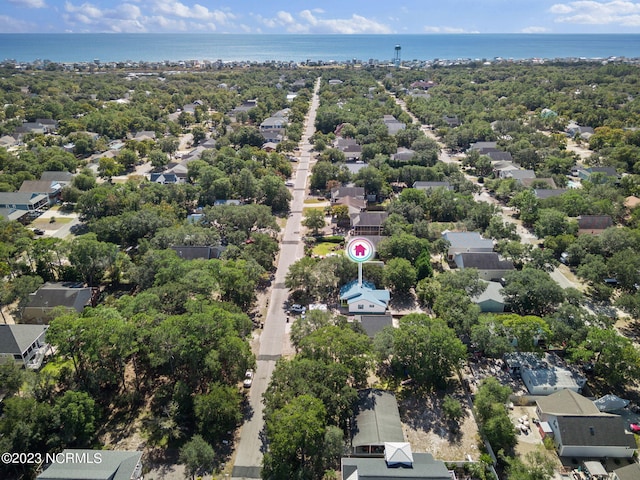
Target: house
12, 214
350, 147
393, 125
23, 344
573, 130
52, 295
368, 223
145, 135
491, 300
586, 173
190, 252
364, 298
398, 463
63, 178
244, 108
423, 84
94, 465
528, 182
517, 174
548, 379
165, 178
451, 121
629, 472
489, 265
593, 224
273, 129
502, 168
466, 242
340, 192
376, 422
51, 189
7, 141
483, 147
498, 156
373, 324
355, 205
403, 155
429, 186
23, 201
592, 436
544, 193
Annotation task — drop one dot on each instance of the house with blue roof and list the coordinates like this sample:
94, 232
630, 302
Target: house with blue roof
364, 298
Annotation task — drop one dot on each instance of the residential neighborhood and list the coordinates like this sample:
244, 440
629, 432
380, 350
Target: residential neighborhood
318, 273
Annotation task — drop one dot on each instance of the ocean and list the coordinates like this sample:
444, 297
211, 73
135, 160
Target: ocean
64, 48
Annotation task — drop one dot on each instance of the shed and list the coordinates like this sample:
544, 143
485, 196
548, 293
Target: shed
377, 422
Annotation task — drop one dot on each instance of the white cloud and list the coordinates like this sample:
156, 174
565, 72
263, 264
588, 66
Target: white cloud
431, 29
309, 21
29, 3
13, 25
535, 29
123, 18
616, 12
196, 12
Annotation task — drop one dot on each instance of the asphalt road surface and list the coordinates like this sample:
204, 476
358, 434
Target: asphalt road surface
248, 463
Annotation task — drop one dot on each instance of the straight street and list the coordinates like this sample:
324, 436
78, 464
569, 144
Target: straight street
248, 463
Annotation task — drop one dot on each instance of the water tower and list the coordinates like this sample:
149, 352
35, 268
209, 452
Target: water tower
396, 58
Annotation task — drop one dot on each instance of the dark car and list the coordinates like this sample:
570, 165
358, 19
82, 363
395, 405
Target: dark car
38, 231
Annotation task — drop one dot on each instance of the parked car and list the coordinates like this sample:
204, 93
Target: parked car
38, 231
296, 308
634, 427
248, 378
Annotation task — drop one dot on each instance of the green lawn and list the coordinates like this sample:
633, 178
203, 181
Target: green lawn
325, 248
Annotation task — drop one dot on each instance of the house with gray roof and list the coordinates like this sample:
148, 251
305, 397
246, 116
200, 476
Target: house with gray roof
69, 295
374, 324
593, 224
23, 201
549, 379
393, 125
581, 430
23, 344
63, 178
193, 252
95, 465
518, 174
492, 299
544, 193
403, 155
12, 214
628, 472
376, 422
466, 242
402, 464
489, 265
368, 223
49, 188
340, 192
428, 186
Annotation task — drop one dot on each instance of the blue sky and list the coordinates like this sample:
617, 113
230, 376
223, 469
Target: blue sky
325, 16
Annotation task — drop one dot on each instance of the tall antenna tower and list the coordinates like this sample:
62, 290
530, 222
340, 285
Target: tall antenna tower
396, 58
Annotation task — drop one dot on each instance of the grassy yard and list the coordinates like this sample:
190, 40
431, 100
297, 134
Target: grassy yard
325, 248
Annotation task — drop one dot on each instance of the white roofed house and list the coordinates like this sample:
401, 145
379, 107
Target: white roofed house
273, 128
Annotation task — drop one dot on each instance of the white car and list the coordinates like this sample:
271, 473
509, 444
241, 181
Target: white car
296, 308
248, 379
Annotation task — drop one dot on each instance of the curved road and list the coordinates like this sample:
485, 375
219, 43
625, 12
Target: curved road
248, 463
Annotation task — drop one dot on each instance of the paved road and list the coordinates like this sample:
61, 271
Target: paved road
250, 448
